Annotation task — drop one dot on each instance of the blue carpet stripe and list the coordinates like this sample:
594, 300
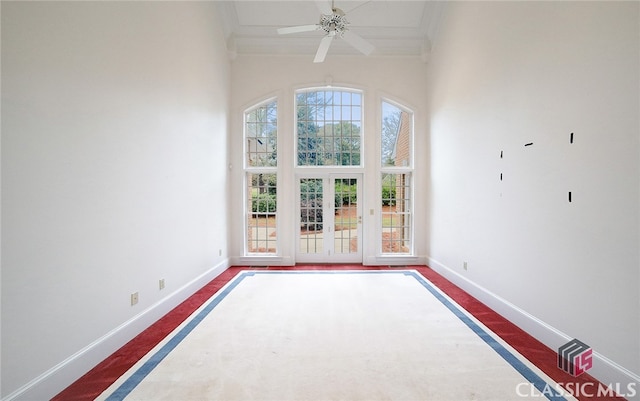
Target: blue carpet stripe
136, 378
132, 382
516, 363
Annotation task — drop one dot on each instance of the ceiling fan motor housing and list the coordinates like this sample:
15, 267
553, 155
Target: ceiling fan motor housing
335, 22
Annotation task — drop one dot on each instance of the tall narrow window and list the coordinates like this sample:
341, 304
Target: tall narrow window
328, 128
261, 205
396, 168
396, 213
261, 135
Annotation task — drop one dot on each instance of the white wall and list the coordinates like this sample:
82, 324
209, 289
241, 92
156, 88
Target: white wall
509, 73
255, 78
114, 127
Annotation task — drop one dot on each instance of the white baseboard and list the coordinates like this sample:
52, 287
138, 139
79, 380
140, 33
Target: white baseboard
56, 379
262, 260
395, 260
604, 370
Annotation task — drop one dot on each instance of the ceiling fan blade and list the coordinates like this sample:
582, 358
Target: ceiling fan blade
323, 48
324, 6
356, 41
296, 29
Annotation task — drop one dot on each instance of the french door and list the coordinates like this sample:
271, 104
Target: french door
329, 218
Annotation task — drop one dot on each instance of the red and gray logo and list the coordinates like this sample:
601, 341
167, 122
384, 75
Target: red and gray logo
575, 357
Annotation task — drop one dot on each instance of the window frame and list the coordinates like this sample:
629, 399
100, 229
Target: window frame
396, 170
248, 170
361, 134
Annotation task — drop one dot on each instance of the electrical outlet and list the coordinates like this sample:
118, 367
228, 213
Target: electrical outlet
161, 284
134, 298
464, 265
219, 252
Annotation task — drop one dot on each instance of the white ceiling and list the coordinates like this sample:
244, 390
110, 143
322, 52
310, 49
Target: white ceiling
394, 27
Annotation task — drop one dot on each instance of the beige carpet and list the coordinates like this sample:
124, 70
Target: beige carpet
338, 335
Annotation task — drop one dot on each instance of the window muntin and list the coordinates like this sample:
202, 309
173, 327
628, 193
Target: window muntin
329, 126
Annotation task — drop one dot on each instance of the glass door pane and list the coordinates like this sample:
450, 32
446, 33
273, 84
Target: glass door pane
311, 216
346, 216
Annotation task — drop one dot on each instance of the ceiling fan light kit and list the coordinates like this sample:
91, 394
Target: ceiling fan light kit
334, 24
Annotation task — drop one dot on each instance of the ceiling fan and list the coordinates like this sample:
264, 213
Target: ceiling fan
334, 23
